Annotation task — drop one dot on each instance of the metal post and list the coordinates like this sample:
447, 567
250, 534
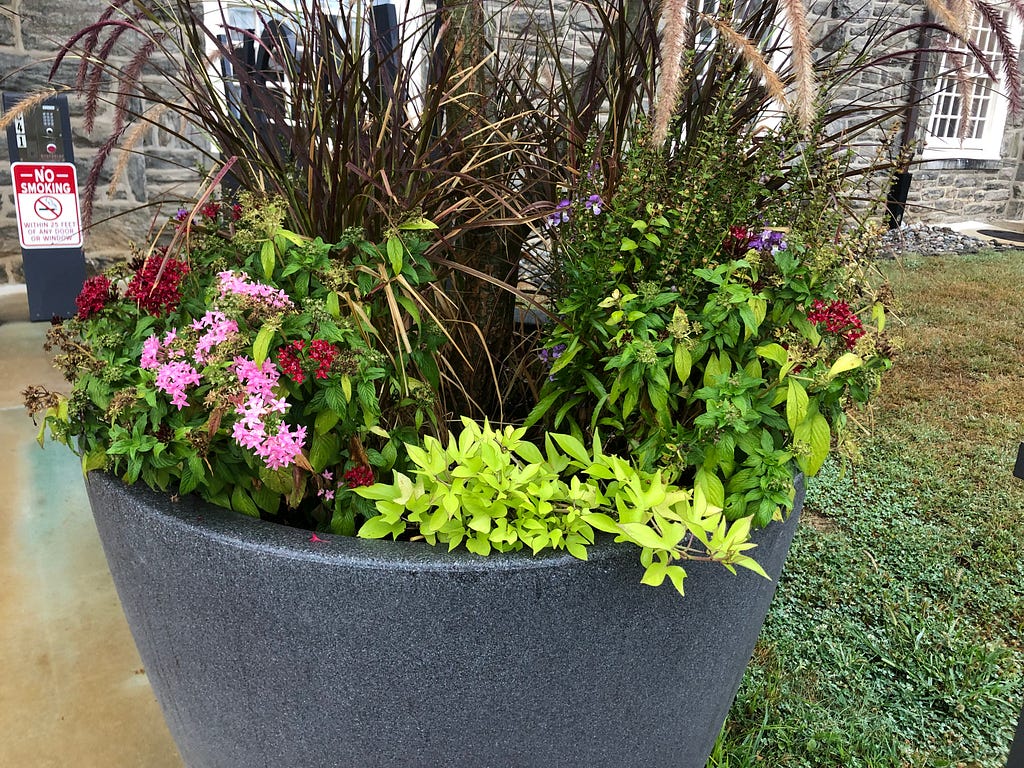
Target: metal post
46, 199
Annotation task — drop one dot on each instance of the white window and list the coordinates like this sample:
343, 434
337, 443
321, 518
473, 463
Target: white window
982, 137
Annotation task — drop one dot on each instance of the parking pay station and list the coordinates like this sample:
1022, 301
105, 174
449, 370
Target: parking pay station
47, 206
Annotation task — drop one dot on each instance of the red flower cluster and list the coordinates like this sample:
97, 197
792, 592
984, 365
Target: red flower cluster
288, 360
317, 360
838, 318
324, 353
212, 210
94, 296
359, 476
736, 241
158, 296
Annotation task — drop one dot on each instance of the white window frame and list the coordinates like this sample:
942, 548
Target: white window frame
987, 97
242, 15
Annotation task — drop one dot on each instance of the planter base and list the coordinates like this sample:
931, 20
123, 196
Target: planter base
268, 649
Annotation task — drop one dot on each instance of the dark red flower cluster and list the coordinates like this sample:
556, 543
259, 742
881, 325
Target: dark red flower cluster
359, 476
157, 290
295, 361
212, 210
288, 360
838, 318
323, 353
94, 296
736, 241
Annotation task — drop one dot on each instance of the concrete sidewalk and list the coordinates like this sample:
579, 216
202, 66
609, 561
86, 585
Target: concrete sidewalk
73, 693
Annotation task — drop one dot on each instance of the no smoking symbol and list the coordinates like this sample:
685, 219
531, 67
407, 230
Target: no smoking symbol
48, 208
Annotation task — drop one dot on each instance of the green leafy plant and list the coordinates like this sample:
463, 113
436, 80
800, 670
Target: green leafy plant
713, 347
265, 371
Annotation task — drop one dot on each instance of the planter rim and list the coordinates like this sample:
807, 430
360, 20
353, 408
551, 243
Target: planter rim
201, 519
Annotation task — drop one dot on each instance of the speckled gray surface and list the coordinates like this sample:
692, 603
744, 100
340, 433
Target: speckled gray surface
269, 650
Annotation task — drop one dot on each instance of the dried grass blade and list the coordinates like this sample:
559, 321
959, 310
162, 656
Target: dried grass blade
953, 16
148, 120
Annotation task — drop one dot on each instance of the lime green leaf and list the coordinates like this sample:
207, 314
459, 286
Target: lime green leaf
267, 259
261, 347
333, 305
576, 549
847, 362
654, 575
600, 521
748, 562
529, 452
378, 528
708, 486
796, 404
96, 459
418, 223
759, 307
573, 447
642, 535
878, 315
774, 352
814, 434
682, 361
627, 244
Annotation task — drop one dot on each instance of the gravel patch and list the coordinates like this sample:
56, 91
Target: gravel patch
933, 240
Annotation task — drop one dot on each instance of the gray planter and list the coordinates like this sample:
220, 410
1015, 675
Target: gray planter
269, 650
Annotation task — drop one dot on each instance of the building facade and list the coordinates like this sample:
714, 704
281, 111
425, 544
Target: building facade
972, 171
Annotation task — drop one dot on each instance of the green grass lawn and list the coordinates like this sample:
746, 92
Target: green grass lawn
897, 634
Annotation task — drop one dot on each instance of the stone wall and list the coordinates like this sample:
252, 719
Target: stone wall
31, 31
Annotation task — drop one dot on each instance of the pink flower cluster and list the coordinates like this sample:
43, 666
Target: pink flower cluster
240, 285
839, 319
173, 373
219, 329
259, 429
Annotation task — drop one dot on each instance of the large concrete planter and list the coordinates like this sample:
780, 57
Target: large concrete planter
269, 650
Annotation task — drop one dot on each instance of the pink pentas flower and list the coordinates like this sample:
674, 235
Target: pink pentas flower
219, 328
240, 285
155, 352
282, 448
150, 350
257, 379
173, 378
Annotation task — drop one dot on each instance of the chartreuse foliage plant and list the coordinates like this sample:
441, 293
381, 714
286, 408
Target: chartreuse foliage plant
492, 490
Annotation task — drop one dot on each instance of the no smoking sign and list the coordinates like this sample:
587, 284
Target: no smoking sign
46, 202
